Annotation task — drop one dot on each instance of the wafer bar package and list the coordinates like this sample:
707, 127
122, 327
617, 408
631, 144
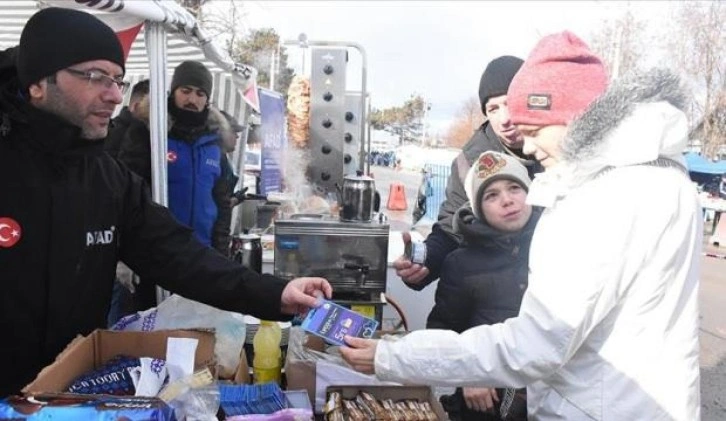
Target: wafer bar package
364, 407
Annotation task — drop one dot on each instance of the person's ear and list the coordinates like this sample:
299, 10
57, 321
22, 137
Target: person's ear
37, 90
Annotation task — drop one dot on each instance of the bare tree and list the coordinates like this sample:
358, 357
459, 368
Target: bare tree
224, 21
699, 50
620, 43
193, 6
468, 119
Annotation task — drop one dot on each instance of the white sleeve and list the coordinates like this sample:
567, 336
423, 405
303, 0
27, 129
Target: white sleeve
573, 285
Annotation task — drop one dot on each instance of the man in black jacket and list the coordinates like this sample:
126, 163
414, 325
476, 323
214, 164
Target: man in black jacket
126, 117
497, 134
69, 212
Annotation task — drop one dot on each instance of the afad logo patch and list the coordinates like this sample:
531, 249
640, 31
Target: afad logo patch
10, 232
171, 156
101, 237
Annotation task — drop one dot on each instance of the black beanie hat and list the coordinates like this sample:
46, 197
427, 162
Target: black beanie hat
57, 38
496, 78
192, 73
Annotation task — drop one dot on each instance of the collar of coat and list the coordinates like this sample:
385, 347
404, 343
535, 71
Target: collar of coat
476, 232
41, 130
637, 120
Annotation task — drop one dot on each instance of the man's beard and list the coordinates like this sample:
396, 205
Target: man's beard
185, 117
61, 105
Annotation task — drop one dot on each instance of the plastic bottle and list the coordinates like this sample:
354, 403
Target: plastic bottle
267, 364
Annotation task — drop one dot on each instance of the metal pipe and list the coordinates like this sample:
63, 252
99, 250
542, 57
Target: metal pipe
239, 160
155, 37
363, 88
368, 135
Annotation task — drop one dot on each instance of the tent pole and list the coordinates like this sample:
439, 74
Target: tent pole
156, 50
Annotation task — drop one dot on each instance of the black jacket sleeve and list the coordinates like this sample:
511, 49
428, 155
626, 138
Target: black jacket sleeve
453, 303
135, 150
221, 193
443, 239
166, 253
438, 245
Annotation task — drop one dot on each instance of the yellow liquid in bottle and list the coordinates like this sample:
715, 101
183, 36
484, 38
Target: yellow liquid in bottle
267, 364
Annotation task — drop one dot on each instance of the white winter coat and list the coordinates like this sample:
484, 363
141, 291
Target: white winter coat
608, 329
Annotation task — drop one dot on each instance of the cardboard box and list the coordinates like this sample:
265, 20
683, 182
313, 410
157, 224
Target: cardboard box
395, 393
85, 354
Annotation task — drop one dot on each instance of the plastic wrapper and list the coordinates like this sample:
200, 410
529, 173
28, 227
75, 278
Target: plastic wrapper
289, 414
177, 312
84, 407
198, 404
251, 399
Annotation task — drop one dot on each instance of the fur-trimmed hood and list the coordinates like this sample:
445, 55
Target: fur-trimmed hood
637, 120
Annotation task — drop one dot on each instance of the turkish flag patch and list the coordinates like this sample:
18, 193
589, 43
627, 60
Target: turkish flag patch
10, 232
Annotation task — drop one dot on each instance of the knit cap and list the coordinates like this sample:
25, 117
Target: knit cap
192, 73
558, 81
488, 168
57, 38
496, 78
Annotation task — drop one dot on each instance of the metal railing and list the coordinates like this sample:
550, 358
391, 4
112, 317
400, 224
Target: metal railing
436, 176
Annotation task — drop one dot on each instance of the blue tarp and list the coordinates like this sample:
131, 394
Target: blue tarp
699, 164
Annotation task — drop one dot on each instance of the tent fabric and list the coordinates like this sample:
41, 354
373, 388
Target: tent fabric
185, 39
699, 164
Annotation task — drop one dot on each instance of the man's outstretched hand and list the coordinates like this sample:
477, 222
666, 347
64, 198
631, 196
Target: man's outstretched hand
301, 294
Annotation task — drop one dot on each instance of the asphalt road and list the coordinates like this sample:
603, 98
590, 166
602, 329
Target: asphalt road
712, 296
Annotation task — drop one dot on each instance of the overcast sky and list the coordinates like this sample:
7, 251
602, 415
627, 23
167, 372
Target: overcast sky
435, 48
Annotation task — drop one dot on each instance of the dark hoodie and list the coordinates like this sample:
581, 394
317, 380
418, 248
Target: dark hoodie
482, 281
443, 239
79, 211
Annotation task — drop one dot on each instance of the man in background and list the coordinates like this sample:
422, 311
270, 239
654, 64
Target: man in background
128, 114
497, 134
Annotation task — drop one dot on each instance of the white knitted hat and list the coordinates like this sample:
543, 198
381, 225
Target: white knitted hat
488, 168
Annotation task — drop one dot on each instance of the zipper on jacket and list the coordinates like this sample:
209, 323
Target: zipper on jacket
194, 183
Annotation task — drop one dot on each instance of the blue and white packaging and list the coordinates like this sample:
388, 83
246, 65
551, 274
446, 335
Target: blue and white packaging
333, 322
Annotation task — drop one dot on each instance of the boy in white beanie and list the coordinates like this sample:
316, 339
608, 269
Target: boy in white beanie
483, 280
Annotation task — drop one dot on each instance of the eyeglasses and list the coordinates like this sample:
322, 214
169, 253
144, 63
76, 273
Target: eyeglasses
96, 78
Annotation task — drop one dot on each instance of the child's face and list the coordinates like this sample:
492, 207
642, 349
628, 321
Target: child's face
503, 205
543, 142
